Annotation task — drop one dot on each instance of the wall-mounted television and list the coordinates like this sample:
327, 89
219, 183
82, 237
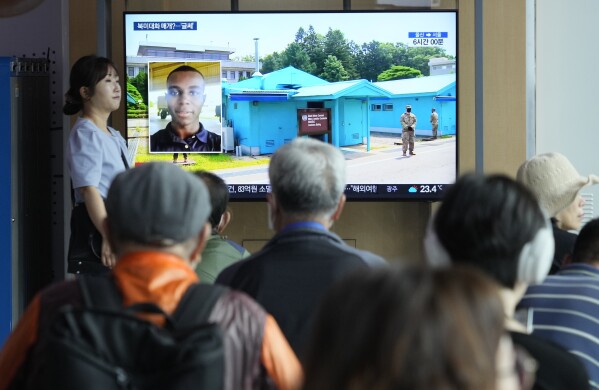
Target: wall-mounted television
257, 80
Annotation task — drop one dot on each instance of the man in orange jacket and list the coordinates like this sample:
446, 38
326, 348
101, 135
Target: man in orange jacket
157, 226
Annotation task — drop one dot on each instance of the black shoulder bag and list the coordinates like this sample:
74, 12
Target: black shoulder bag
85, 244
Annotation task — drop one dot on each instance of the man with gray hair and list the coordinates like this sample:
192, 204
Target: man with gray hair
293, 270
157, 226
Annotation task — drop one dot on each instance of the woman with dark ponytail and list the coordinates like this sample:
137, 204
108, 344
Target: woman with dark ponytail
95, 155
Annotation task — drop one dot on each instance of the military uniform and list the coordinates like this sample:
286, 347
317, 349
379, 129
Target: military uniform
408, 125
435, 123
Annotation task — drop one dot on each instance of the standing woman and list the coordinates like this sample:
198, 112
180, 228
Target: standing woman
95, 155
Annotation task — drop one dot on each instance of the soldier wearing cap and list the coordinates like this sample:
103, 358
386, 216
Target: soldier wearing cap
434, 122
408, 126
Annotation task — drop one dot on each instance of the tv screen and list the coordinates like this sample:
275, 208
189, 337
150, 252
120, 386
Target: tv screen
223, 91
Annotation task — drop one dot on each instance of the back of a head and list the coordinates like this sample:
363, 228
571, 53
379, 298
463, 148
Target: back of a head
586, 248
415, 329
495, 224
219, 195
307, 177
156, 205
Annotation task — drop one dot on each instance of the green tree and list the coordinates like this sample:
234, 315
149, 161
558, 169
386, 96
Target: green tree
132, 90
337, 46
300, 35
245, 58
399, 72
418, 57
271, 62
333, 70
401, 55
420, 62
373, 58
295, 55
140, 82
314, 46
311, 51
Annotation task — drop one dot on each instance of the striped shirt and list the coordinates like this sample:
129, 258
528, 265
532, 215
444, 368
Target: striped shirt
565, 309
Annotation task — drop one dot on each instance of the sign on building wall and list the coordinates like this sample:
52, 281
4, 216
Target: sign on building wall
313, 121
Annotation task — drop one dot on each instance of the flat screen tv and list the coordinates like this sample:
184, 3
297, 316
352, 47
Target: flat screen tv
261, 79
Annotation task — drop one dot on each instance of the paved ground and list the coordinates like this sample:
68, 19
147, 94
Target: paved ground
434, 162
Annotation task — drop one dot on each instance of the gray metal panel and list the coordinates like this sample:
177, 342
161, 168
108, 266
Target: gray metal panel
30, 179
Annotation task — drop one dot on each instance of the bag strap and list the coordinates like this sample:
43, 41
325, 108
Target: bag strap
125, 162
100, 291
197, 303
195, 307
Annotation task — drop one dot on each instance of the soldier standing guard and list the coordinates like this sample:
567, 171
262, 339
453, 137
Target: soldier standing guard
434, 122
408, 125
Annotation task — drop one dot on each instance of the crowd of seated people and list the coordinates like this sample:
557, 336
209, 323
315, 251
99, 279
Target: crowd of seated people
495, 224
411, 328
309, 312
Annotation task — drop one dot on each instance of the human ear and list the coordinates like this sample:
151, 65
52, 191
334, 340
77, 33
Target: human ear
203, 236
337, 214
84, 93
224, 221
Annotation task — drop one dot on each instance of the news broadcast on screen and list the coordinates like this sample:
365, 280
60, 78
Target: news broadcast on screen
223, 91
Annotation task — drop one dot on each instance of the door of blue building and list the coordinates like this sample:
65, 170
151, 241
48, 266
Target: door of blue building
353, 128
447, 118
277, 125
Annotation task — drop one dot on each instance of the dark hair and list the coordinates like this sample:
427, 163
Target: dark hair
485, 221
184, 68
219, 195
412, 328
86, 72
586, 248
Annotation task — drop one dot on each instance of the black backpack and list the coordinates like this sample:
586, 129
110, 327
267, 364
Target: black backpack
105, 346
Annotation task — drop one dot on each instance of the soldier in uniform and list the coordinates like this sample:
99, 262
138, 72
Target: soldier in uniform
408, 125
434, 122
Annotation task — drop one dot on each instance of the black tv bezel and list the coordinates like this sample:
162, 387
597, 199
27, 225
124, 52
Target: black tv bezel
426, 192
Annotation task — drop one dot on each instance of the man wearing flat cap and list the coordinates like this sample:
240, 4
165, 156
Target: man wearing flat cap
157, 226
408, 128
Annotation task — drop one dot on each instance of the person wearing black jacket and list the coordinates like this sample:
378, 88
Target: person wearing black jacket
289, 276
495, 224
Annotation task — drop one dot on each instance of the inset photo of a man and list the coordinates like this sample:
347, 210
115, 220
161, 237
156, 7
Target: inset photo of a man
186, 96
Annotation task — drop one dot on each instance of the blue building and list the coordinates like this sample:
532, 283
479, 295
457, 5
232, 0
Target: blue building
265, 111
423, 94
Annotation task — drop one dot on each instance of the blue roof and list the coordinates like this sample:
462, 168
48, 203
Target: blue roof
286, 78
131, 99
420, 85
292, 83
357, 88
260, 95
